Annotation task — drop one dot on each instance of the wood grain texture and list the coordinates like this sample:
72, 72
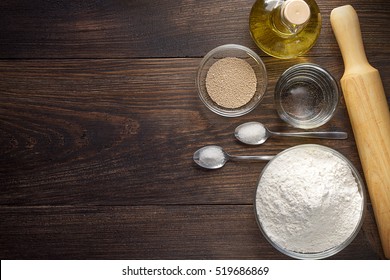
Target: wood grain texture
99, 118
147, 232
148, 28
122, 132
369, 114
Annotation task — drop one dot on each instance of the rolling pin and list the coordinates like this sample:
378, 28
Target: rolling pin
369, 115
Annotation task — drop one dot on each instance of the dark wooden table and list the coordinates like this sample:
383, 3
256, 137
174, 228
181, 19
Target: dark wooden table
99, 118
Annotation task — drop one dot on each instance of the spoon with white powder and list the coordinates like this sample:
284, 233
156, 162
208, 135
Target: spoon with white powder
255, 133
214, 157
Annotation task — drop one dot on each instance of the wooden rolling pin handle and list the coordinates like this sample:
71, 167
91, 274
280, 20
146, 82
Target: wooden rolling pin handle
346, 27
369, 114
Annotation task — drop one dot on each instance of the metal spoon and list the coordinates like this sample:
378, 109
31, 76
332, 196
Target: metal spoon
202, 157
260, 134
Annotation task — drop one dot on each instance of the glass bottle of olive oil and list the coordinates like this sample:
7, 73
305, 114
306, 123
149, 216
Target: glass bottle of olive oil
285, 28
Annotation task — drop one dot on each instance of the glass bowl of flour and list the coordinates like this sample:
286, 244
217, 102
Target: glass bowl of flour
231, 80
310, 202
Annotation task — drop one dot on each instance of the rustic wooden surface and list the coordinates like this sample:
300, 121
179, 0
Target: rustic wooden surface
99, 118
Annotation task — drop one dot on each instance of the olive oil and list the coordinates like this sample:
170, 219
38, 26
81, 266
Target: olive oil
285, 28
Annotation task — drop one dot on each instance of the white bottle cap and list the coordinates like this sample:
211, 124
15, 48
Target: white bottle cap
296, 11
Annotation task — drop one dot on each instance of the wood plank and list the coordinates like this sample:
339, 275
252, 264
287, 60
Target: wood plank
149, 232
122, 132
148, 28
99, 117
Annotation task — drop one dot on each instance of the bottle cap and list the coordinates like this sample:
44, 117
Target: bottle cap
296, 11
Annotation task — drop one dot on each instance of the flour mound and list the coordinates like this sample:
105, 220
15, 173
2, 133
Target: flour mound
308, 200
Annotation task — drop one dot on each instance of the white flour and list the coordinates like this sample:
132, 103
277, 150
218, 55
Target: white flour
308, 200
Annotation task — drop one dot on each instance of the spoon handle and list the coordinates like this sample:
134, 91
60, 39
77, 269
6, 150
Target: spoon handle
323, 135
251, 158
